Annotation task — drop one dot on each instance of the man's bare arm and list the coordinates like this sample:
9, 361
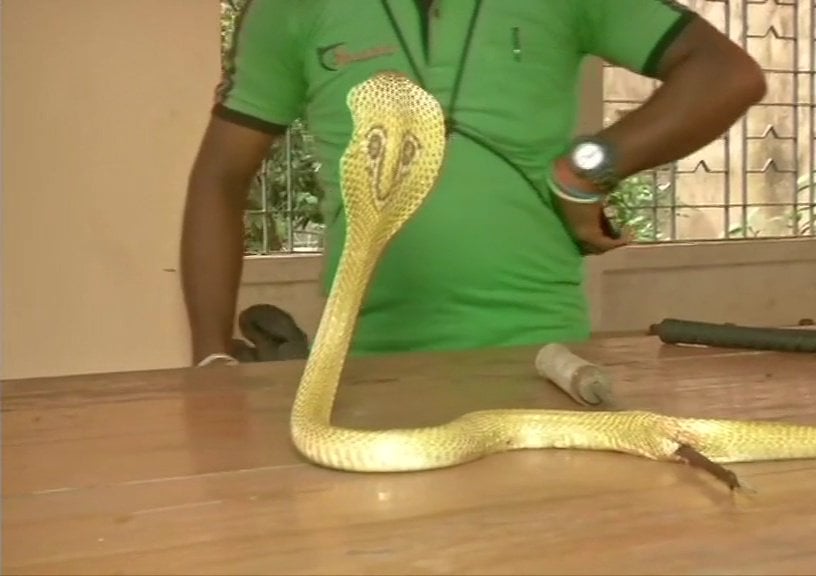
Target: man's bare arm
708, 83
212, 235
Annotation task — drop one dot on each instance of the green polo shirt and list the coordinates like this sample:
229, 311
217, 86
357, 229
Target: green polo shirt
487, 262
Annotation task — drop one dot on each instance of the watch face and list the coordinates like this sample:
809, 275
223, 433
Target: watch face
588, 156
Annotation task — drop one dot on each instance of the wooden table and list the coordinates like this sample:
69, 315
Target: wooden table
191, 472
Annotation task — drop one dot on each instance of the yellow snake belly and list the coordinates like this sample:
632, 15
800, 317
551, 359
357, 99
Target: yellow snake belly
390, 166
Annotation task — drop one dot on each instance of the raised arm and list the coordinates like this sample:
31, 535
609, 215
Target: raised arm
261, 93
707, 83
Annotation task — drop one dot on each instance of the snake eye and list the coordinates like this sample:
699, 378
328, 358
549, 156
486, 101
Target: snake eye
375, 143
409, 150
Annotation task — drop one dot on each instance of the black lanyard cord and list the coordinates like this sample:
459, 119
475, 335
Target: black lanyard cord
457, 84
451, 126
403, 44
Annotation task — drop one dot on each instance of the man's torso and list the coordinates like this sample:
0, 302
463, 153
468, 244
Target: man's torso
486, 261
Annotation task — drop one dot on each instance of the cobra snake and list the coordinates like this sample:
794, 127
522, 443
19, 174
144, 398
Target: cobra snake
390, 166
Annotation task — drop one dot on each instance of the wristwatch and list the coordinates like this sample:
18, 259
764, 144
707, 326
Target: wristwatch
593, 159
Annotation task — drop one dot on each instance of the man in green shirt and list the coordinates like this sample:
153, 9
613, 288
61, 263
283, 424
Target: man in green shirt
495, 256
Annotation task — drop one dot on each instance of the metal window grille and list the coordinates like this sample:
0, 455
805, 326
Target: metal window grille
283, 214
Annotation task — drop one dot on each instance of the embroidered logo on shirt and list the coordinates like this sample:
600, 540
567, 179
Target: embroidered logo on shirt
337, 56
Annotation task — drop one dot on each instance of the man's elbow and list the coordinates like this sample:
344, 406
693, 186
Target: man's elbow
747, 80
706, 57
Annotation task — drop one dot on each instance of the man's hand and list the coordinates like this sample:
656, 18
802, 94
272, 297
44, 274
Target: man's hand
589, 226
587, 222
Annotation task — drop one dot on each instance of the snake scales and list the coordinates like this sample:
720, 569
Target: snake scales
389, 167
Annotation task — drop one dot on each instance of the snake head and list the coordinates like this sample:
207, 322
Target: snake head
394, 157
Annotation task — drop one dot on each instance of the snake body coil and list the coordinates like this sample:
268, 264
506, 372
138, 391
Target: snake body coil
388, 169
